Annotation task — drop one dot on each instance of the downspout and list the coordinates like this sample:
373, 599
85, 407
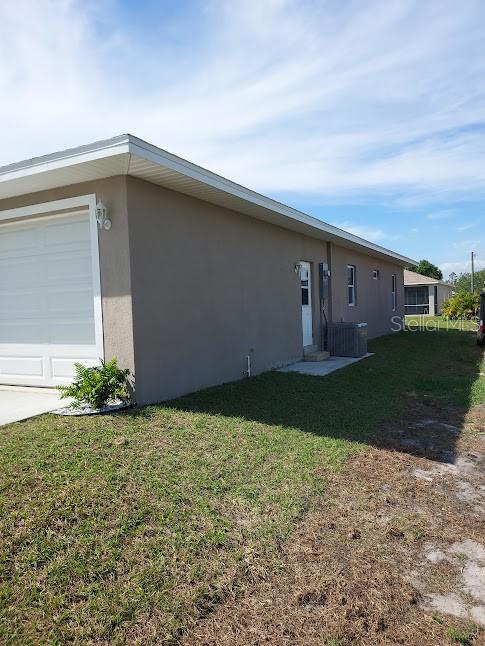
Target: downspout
329, 298
325, 298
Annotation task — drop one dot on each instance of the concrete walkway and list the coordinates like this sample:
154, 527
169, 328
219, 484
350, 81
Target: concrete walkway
322, 368
18, 403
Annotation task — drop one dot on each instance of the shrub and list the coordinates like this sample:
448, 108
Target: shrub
97, 387
464, 305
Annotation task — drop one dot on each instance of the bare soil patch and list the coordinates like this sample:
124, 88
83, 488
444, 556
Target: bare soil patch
394, 553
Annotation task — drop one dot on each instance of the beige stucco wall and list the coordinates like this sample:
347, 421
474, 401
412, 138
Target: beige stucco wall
190, 289
114, 260
374, 297
444, 293
211, 286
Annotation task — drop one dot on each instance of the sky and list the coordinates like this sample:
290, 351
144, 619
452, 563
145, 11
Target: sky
367, 114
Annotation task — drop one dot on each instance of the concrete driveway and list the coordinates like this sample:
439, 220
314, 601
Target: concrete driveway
18, 403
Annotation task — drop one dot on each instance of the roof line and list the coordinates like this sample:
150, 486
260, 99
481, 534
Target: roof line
134, 146
68, 153
165, 158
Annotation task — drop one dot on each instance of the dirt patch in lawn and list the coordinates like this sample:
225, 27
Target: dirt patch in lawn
394, 553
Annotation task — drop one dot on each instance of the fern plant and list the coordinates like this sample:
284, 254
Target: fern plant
98, 386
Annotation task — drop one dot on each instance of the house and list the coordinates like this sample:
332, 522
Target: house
424, 295
121, 249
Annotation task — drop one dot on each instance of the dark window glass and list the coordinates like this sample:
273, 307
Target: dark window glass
416, 299
351, 291
304, 296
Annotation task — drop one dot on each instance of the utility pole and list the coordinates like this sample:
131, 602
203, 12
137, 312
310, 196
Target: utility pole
473, 272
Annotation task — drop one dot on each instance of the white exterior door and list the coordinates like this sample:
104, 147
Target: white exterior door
49, 298
306, 303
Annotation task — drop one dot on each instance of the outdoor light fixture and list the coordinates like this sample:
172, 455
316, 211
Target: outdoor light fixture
101, 219
297, 267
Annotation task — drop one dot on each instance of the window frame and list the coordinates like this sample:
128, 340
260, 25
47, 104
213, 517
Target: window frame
352, 285
394, 292
308, 287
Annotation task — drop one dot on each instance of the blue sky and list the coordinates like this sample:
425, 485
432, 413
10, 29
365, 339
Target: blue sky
367, 114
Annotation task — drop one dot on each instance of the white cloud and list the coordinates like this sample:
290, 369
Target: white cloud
469, 225
369, 233
461, 266
440, 215
322, 99
471, 244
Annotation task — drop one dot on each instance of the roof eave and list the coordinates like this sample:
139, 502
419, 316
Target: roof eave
90, 152
129, 147
141, 148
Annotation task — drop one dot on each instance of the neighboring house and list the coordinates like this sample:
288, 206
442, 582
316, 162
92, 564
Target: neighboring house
197, 279
424, 295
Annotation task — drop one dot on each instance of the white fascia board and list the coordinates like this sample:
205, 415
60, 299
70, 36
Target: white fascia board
71, 157
132, 146
163, 158
430, 284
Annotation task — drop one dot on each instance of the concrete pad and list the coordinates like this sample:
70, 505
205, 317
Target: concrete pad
322, 368
18, 403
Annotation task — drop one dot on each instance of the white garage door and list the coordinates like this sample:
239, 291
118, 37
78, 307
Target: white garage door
47, 299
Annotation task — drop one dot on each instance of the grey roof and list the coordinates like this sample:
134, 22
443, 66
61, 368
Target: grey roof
413, 278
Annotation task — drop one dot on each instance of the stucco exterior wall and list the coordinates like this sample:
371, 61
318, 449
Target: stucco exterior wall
374, 297
444, 293
114, 260
211, 286
190, 289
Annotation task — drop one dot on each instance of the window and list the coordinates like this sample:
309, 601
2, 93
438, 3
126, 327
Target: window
375, 274
305, 284
416, 300
351, 293
394, 295
305, 300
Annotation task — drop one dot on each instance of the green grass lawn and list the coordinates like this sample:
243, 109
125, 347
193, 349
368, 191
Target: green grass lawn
127, 528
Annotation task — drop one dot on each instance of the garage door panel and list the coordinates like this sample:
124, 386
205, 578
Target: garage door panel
70, 301
22, 367
63, 267
17, 239
47, 313
18, 272
61, 332
74, 234
21, 331
62, 368
71, 332
25, 302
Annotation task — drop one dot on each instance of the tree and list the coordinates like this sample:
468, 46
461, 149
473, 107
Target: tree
426, 268
464, 281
